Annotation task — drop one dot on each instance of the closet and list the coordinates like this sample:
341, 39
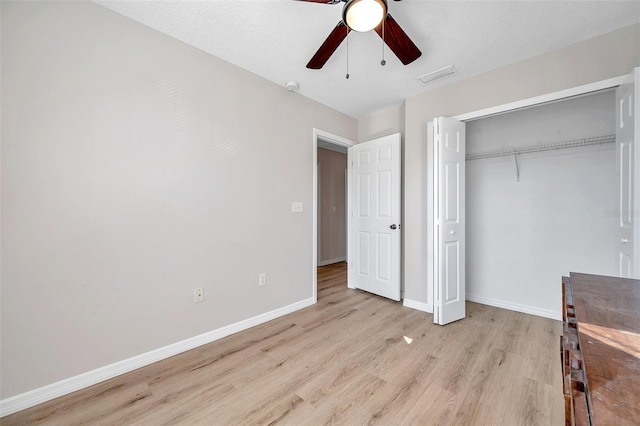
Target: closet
540, 201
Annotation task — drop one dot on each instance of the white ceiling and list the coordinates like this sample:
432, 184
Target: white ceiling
276, 38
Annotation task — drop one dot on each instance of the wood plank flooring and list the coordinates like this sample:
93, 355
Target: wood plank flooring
353, 358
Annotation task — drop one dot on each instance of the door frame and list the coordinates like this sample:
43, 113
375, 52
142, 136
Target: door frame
585, 89
334, 140
547, 98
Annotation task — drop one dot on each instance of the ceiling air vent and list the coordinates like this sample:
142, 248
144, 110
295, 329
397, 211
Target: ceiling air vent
436, 75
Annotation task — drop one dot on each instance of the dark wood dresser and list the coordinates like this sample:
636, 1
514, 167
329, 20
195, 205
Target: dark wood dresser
600, 350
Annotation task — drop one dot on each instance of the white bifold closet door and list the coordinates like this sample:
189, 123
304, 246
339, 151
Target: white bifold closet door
628, 168
449, 220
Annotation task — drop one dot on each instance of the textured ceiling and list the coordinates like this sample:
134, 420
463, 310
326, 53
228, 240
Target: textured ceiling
276, 38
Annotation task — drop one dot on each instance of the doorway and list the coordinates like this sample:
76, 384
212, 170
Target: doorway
331, 215
373, 223
332, 204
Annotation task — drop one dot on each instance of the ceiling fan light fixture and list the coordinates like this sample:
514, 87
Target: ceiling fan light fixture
364, 15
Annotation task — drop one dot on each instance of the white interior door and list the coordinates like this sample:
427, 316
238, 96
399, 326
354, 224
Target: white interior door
627, 165
449, 220
375, 216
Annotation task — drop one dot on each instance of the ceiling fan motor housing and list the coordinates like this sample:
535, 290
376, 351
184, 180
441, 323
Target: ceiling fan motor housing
364, 15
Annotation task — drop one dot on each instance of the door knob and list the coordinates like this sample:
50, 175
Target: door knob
624, 241
393, 226
452, 232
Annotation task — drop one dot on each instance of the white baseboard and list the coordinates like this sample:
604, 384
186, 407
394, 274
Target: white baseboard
72, 384
533, 310
414, 304
331, 261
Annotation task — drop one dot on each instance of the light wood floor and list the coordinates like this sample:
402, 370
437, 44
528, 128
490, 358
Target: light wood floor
354, 359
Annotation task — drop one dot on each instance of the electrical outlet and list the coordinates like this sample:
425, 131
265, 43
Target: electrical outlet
262, 279
198, 295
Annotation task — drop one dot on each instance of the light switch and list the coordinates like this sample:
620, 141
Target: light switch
297, 207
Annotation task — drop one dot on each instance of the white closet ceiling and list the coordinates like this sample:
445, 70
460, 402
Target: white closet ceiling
276, 38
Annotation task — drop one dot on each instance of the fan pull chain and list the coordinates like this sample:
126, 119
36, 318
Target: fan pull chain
347, 76
383, 62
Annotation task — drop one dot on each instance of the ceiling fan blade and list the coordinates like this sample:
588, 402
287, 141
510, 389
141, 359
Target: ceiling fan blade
398, 41
329, 46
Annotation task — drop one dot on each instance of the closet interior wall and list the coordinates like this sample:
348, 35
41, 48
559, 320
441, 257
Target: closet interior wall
558, 218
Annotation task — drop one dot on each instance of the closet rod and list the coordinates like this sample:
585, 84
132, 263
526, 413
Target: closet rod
576, 143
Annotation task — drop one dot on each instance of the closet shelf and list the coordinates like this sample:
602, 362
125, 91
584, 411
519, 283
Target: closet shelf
576, 143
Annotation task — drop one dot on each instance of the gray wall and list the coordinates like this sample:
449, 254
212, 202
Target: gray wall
522, 236
134, 169
603, 57
381, 124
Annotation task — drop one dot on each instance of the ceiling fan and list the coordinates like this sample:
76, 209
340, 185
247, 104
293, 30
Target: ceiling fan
363, 16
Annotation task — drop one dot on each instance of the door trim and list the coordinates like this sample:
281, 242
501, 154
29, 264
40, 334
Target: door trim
335, 140
543, 99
